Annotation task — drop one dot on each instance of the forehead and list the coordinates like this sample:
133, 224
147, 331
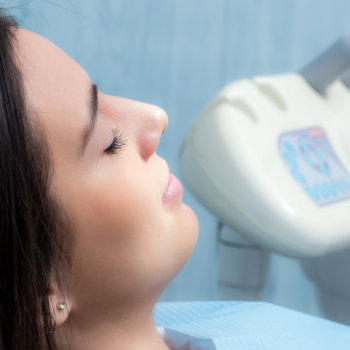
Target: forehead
56, 87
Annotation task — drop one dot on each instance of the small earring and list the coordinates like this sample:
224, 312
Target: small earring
52, 330
61, 305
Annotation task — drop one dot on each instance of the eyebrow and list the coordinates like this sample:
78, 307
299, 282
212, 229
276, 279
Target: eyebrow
93, 107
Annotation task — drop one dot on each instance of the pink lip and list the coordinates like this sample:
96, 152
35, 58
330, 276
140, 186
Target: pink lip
173, 191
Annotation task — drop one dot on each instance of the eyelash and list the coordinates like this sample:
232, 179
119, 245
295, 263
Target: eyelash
119, 142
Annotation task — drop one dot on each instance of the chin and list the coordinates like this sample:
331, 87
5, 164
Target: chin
189, 232
191, 218
185, 239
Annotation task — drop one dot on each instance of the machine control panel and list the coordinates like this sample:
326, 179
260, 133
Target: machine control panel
314, 165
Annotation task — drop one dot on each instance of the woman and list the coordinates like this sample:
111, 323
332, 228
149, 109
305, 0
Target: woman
92, 227
92, 224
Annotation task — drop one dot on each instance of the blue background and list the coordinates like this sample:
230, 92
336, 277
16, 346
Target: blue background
178, 54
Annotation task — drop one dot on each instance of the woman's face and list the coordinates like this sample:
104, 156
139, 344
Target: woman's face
129, 242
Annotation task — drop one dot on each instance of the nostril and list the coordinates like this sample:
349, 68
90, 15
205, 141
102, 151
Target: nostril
148, 144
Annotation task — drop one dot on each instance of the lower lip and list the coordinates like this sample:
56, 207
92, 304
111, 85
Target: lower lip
174, 190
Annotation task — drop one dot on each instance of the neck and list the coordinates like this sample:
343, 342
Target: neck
133, 329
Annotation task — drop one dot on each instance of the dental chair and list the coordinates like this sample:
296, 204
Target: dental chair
270, 158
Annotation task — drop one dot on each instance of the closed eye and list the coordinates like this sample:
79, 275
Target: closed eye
119, 142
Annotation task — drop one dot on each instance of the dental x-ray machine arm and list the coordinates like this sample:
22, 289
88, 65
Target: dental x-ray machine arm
270, 157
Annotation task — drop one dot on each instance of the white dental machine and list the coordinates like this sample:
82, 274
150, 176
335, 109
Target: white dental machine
270, 158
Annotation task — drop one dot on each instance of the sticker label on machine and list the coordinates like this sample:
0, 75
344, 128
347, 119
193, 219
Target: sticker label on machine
313, 163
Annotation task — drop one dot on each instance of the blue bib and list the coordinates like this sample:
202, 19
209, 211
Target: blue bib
245, 326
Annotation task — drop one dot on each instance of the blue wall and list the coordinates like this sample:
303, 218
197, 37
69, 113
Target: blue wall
178, 54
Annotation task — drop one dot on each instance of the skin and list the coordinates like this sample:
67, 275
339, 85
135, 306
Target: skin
128, 244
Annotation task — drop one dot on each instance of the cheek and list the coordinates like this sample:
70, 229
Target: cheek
118, 207
121, 218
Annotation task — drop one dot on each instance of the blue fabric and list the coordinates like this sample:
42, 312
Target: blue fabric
246, 326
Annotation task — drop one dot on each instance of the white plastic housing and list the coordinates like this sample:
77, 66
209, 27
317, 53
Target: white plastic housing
231, 162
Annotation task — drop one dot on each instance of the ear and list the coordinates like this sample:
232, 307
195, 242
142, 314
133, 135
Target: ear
59, 306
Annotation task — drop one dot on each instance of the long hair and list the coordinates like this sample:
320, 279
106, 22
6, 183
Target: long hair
34, 248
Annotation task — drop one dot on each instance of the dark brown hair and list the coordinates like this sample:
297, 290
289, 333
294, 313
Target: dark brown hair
33, 229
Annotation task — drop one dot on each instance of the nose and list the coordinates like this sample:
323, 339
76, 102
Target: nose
152, 123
